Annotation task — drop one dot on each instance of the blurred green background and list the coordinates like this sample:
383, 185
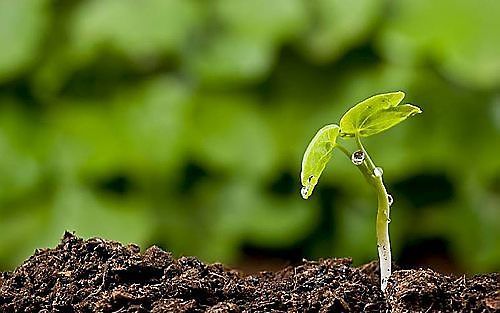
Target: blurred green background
182, 123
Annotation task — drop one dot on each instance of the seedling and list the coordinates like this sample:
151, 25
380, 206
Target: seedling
369, 117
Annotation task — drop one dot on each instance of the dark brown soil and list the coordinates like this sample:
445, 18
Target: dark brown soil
102, 276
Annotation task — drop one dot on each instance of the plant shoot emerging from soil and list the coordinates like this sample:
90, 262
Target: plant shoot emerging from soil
369, 117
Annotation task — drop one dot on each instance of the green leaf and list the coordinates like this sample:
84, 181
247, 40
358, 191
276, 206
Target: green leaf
376, 114
317, 155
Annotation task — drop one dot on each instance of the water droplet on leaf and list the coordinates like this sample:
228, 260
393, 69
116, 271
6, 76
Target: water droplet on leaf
303, 192
390, 199
358, 157
378, 172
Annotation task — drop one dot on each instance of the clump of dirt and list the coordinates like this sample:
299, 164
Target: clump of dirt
432, 292
96, 275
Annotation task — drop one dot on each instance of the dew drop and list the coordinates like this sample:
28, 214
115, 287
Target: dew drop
388, 220
358, 157
378, 172
390, 199
303, 192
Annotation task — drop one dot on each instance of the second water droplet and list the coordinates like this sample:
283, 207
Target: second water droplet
390, 199
378, 172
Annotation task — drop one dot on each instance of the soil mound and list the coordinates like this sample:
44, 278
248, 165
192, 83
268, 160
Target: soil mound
96, 275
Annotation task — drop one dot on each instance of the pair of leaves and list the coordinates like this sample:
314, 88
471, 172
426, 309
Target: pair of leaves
369, 117
376, 114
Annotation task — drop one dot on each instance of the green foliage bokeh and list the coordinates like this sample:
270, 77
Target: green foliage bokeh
182, 123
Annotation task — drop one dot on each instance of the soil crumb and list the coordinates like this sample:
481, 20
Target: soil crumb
96, 275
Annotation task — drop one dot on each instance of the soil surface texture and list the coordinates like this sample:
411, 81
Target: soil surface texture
96, 275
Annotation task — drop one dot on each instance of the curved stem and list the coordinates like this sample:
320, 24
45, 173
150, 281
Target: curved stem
383, 242
367, 156
344, 149
383, 211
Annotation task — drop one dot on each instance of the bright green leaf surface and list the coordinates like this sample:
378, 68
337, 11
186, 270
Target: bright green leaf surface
317, 155
376, 114
382, 120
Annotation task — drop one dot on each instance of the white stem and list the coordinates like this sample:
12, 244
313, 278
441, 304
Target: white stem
383, 220
383, 243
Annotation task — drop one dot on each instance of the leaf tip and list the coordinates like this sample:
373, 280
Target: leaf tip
396, 97
415, 109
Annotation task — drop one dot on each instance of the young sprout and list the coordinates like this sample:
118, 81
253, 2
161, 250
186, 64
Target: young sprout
369, 117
